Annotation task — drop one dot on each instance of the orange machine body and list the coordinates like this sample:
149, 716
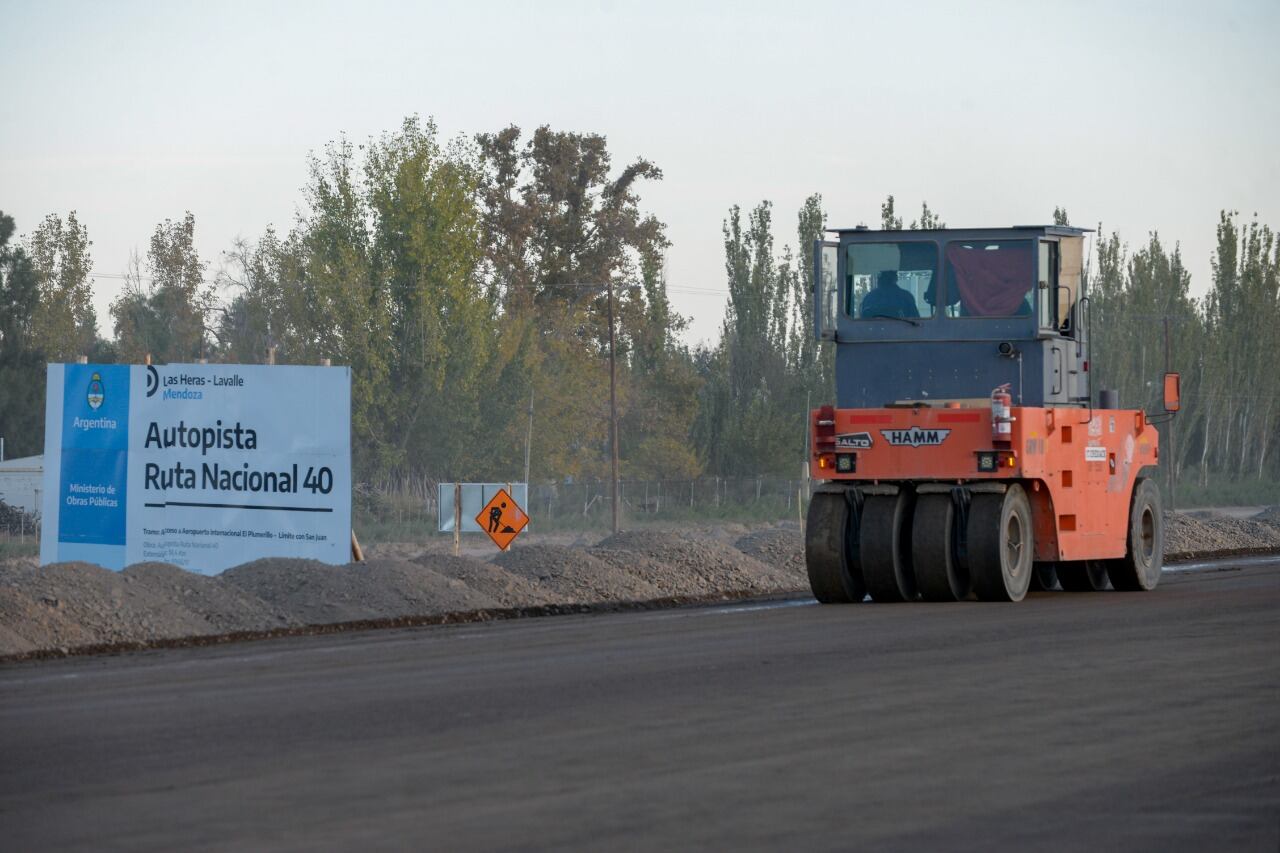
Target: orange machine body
1077, 465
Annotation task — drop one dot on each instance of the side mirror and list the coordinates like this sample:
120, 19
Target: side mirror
1172, 392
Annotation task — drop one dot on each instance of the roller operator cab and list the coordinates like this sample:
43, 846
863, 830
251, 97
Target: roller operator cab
964, 452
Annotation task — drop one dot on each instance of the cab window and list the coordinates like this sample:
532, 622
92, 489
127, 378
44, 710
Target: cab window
890, 280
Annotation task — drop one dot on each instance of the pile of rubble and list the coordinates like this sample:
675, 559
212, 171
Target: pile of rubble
69, 605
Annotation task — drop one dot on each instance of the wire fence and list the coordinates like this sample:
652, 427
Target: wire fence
564, 501
568, 504
589, 501
18, 524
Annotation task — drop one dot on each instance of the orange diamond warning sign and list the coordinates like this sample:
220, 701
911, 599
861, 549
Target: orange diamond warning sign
502, 518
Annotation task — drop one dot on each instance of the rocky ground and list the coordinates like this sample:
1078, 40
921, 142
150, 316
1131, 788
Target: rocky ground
1207, 532
69, 605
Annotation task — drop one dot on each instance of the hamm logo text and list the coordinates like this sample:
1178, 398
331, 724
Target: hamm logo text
915, 437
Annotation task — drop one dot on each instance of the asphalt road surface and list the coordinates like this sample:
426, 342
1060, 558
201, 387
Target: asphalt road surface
1069, 721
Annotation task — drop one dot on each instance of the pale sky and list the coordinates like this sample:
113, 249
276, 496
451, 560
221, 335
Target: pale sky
1139, 115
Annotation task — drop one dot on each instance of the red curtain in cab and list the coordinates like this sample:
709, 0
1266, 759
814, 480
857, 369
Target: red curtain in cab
991, 282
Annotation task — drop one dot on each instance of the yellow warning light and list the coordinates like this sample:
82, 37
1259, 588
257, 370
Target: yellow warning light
1011, 461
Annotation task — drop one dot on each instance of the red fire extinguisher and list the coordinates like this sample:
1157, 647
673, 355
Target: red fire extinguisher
1001, 414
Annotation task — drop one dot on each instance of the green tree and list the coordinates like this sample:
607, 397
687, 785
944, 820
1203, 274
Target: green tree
812, 362
1141, 310
806, 356
426, 254
333, 302
889, 220
1243, 313
250, 324
556, 219
164, 313
749, 422
654, 431
383, 272
64, 321
929, 220
560, 225
22, 360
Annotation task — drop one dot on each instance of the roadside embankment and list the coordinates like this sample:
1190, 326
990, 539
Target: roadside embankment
69, 607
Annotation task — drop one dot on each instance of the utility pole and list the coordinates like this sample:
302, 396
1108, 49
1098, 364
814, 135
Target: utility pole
613, 414
1173, 454
528, 442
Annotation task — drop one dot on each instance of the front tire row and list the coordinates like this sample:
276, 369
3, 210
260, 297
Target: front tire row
906, 547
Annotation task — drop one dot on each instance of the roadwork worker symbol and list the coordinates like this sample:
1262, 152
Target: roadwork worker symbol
502, 519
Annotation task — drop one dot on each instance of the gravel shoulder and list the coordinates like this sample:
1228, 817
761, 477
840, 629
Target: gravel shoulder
63, 607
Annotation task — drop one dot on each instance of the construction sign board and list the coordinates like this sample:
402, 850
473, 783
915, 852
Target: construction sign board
204, 465
502, 519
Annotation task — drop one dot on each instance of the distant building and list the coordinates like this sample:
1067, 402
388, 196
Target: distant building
20, 482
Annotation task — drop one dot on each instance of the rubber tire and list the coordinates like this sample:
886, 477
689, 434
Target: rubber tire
996, 575
834, 576
1082, 575
1044, 577
885, 547
938, 573
1139, 569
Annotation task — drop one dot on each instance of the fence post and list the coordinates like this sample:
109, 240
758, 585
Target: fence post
800, 505
457, 518
512, 495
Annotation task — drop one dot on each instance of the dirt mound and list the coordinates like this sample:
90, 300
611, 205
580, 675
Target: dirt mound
1269, 516
685, 565
13, 643
781, 547
107, 606
77, 604
309, 592
398, 550
509, 590
1184, 534
41, 623
1202, 514
727, 532
223, 605
16, 563
423, 590
569, 574
635, 565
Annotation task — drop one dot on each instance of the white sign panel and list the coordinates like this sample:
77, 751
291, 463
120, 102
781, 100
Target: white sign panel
474, 497
202, 465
